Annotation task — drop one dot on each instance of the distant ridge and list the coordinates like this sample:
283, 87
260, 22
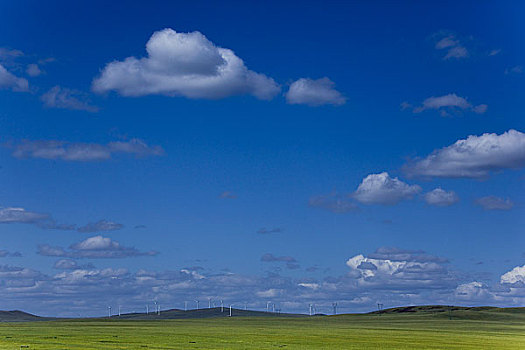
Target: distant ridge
480, 312
174, 314
446, 308
20, 316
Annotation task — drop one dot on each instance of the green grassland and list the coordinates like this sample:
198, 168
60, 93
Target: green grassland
429, 329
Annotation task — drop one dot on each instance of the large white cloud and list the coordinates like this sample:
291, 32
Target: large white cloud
473, 157
383, 189
10, 81
314, 93
184, 64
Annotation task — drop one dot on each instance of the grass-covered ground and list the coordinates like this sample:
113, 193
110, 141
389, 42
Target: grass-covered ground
492, 329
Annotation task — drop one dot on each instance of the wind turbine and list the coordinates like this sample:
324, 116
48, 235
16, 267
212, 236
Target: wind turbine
230, 310
147, 309
222, 306
109, 311
119, 311
209, 303
156, 307
334, 305
185, 306
268, 306
197, 304
310, 306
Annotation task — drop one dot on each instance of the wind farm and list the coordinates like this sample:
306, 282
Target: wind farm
422, 327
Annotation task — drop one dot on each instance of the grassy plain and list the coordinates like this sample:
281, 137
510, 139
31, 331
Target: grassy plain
496, 329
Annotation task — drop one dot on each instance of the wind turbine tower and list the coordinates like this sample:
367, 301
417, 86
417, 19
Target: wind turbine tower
334, 305
109, 311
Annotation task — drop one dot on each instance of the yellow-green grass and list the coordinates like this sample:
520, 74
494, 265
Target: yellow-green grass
466, 330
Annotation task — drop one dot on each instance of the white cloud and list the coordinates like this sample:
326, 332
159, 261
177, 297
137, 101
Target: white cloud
382, 189
453, 46
514, 70
96, 247
494, 203
314, 93
11, 81
473, 157
473, 291
441, 198
33, 70
59, 97
71, 151
184, 64
516, 275
446, 104
20, 215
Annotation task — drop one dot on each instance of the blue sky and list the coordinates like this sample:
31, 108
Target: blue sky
293, 152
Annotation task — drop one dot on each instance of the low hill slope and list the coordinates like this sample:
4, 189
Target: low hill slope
201, 313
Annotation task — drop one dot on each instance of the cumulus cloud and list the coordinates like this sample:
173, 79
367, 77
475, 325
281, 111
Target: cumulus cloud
453, 47
78, 151
398, 254
473, 157
494, 203
516, 275
314, 93
441, 198
333, 202
10, 81
383, 189
97, 247
101, 225
60, 97
446, 105
184, 64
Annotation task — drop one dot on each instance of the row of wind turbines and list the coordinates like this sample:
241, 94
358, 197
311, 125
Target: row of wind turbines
312, 309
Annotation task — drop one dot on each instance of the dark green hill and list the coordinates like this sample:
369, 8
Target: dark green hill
20, 316
201, 313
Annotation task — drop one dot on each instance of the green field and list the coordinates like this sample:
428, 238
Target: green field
491, 329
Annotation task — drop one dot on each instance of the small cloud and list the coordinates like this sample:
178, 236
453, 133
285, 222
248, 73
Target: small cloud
446, 105
383, 189
453, 47
494, 52
264, 230
140, 226
228, 194
96, 247
102, 225
33, 70
314, 93
12, 82
514, 70
70, 264
332, 202
441, 198
59, 97
272, 258
78, 151
7, 254
494, 203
